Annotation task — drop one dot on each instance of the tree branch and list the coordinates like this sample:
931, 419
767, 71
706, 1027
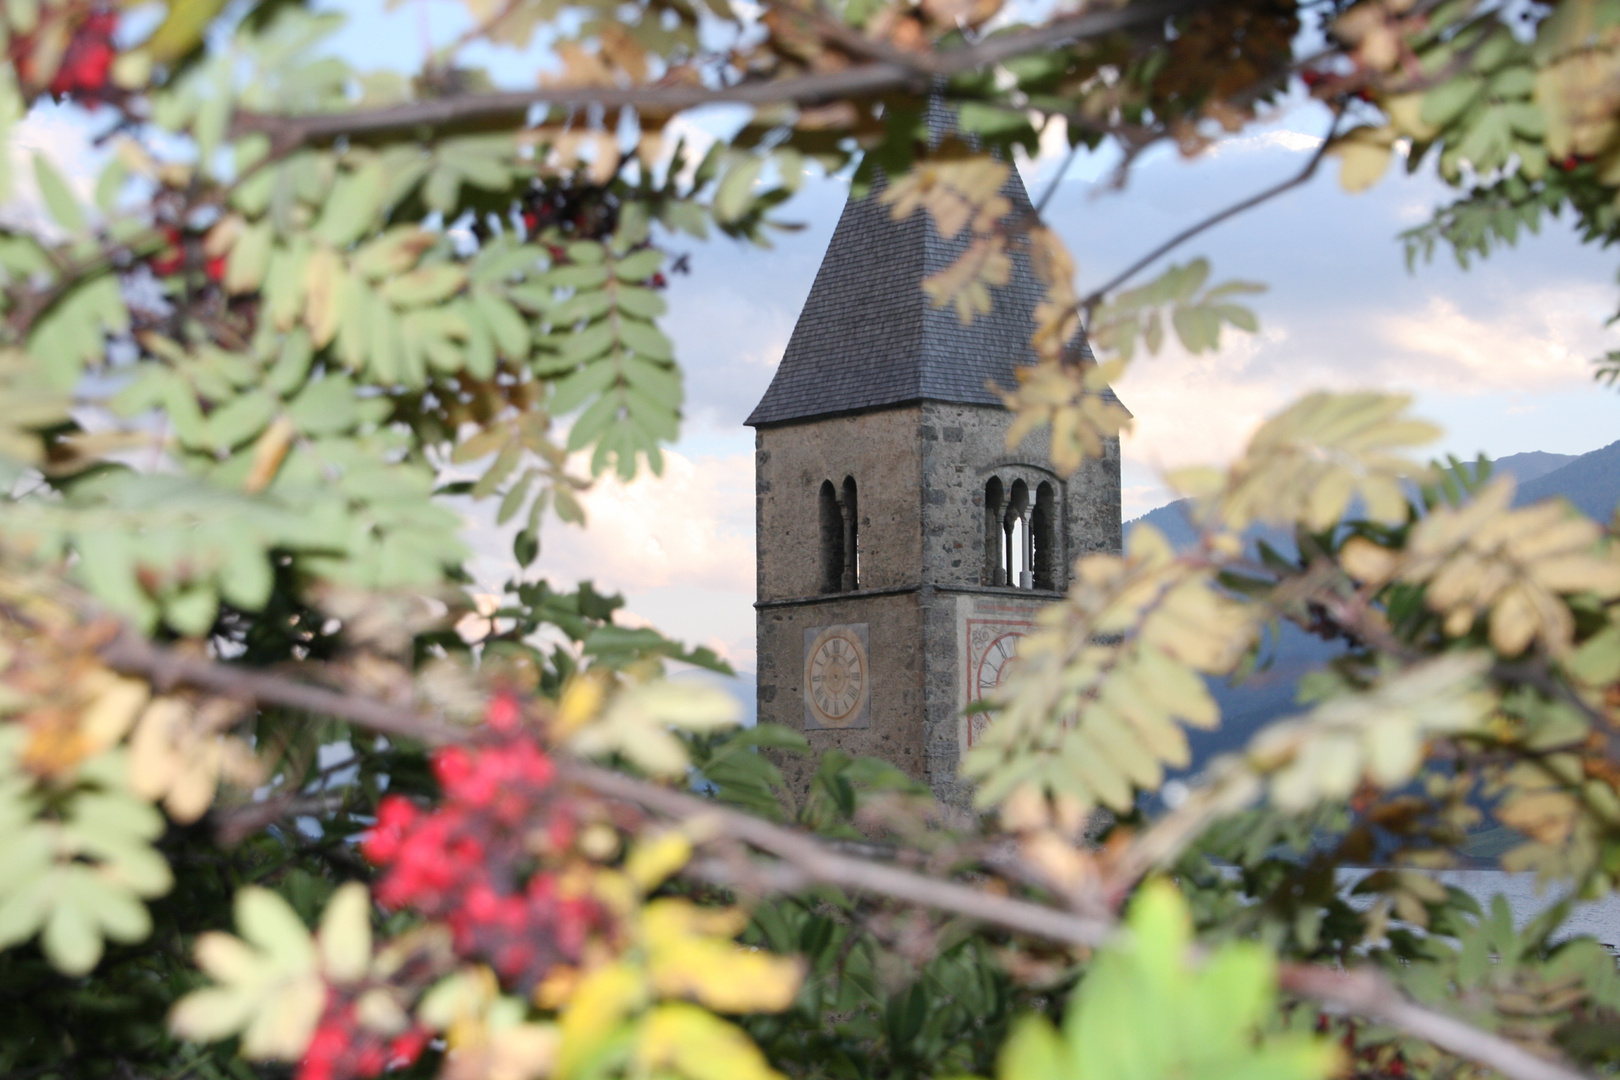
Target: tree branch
134, 655
818, 863
1092, 299
805, 860
512, 107
1367, 993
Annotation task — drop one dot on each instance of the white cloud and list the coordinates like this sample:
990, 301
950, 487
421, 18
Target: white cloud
1202, 409
1296, 142
1543, 340
693, 526
1197, 409
60, 133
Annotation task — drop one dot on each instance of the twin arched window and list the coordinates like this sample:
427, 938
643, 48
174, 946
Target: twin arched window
840, 537
1020, 535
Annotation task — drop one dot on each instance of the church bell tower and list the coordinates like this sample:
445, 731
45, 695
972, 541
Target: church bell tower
902, 548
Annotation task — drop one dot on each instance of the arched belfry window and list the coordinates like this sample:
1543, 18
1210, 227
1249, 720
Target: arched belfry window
840, 537
1020, 535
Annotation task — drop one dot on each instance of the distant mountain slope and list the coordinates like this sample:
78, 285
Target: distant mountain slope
1591, 482
1532, 465
1594, 477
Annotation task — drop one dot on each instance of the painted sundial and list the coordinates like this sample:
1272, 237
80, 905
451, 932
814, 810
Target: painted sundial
837, 677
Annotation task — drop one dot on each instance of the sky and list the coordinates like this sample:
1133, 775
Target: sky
1499, 354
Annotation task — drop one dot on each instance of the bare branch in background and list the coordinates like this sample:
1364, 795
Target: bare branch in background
917, 72
805, 860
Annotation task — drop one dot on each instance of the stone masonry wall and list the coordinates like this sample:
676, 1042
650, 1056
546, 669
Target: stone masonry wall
894, 656
880, 451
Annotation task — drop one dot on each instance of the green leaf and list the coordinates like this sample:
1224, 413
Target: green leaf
639, 266
59, 198
735, 194
239, 419
325, 407
511, 334
353, 206
425, 285
646, 339
571, 392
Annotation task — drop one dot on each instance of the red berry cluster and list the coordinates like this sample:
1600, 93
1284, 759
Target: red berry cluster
344, 1048
579, 211
172, 258
466, 861
88, 60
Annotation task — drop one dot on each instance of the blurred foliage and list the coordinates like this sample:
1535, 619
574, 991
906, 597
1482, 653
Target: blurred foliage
307, 317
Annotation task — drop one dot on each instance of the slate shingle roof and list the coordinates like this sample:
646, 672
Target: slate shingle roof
869, 337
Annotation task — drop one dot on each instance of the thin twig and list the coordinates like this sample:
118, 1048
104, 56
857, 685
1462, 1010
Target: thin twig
1369, 994
512, 107
1090, 302
819, 863
134, 655
1063, 170
811, 861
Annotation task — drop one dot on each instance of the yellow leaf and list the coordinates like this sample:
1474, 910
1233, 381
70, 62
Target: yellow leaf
268, 987
345, 934
956, 193
966, 283
691, 954
653, 861
1363, 155
1366, 561
697, 1044
112, 713
603, 1000
580, 703
323, 281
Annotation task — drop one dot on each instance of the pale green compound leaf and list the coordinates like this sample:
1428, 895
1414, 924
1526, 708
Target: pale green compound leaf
266, 921
736, 191
639, 266
59, 198
345, 934
645, 339
1148, 1011
353, 206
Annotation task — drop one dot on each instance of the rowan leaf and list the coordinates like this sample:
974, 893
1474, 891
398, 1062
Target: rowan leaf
687, 1041
690, 954
268, 983
637, 723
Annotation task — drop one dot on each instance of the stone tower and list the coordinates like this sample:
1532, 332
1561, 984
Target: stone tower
902, 549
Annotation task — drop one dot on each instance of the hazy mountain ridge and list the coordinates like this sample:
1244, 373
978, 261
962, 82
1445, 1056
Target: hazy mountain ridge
1589, 481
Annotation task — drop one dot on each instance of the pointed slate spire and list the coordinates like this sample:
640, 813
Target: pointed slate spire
869, 338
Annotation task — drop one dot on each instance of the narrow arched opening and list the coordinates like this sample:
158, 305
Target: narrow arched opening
995, 548
832, 539
850, 504
1043, 530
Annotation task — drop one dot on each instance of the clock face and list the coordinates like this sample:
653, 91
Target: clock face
994, 653
995, 661
837, 682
